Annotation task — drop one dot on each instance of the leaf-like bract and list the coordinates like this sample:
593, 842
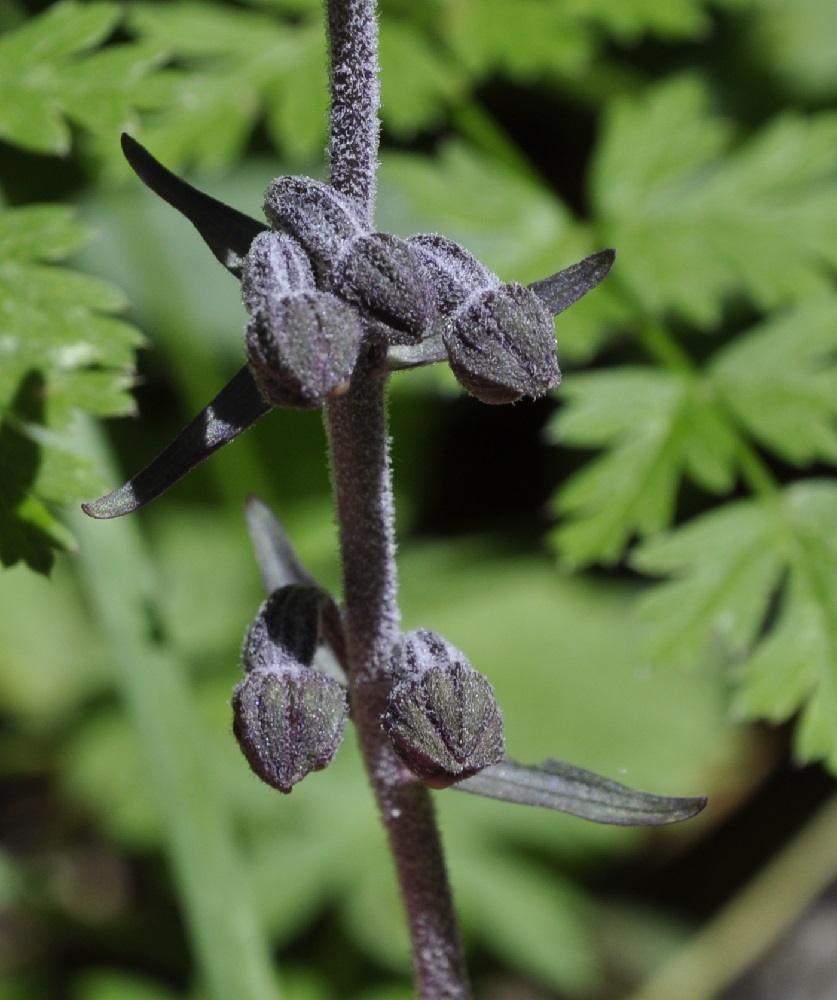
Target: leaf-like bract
558, 785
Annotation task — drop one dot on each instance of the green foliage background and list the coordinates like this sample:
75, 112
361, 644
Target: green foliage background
637, 564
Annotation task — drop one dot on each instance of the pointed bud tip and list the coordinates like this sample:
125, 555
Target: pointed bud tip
288, 723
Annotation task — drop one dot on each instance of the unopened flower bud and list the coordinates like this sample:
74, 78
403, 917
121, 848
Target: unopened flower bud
288, 721
387, 277
501, 345
442, 718
456, 272
322, 220
287, 625
302, 344
276, 266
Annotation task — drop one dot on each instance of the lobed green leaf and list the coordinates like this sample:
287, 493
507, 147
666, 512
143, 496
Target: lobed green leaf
698, 220
52, 77
62, 351
754, 583
242, 66
658, 426
779, 380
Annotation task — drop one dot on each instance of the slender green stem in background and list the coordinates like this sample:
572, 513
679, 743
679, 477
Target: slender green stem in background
361, 473
754, 919
230, 949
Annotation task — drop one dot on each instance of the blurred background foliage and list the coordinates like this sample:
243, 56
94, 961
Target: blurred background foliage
640, 564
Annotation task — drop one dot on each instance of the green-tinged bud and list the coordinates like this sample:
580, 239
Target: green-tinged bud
387, 278
303, 348
287, 625
501, 345
442, 717
288, 721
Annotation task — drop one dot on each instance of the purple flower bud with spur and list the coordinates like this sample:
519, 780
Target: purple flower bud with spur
287, 717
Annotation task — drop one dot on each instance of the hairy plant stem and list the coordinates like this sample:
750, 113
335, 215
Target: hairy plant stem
357, 429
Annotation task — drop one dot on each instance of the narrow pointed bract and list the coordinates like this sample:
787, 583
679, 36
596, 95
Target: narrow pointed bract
276, 557
236, 407
227, 232
559, 291
566, 788
280, 566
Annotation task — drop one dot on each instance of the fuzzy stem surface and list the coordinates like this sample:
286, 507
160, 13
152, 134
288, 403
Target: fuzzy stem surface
361, 474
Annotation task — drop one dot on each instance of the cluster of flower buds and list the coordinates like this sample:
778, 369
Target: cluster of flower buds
441, 715
324, 291
288, 717
426, 297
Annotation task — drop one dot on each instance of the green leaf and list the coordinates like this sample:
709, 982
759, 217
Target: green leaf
523, 39
62, 351
542, 933
418, 79
628, 21
797, 39
50, 76
231, 953
755, 582
794, 668
105, 985
658, 427
510, 222
724, 565
780, 382
698, 219
241, 67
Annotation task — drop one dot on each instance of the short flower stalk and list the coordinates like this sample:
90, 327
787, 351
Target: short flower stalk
334, 307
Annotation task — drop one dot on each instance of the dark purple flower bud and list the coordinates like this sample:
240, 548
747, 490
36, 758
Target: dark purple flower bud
288, 721
456, 272
276, 266
320, 219
302, 344
304, 349
501, 345
287, 625
442, 718
387, 278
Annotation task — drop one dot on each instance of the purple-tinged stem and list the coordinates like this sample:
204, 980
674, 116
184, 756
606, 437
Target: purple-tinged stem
362, 482
355, 99
360, 466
